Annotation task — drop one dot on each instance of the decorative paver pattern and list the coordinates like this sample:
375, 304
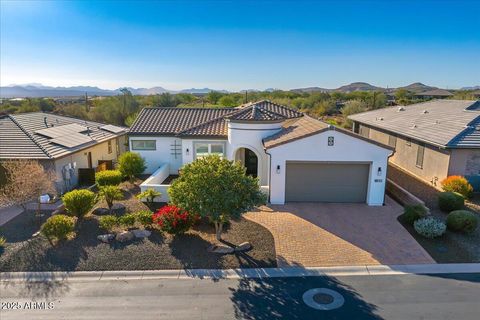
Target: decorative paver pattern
336, 234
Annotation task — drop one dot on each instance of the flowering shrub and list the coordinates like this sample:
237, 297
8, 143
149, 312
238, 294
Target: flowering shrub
173, 219
457, 184
430, 227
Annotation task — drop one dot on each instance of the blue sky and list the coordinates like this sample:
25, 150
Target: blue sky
240, 44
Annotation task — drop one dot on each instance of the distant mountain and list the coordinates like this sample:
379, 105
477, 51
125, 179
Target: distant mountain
200, 91
30, 91
311, 89
358, 86
471, 88
147, 91
417, 87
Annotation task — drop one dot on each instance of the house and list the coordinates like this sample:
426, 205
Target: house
432, 140
295, 157
434, 94
64, 144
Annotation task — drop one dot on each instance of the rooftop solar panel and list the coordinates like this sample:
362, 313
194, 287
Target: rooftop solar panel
72, 140
59, 131
112, 128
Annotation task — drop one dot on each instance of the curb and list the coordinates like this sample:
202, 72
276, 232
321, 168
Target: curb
371, 270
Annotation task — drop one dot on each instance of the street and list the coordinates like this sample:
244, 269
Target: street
438, 296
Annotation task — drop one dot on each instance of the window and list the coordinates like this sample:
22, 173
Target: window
420, 155
144, 145
203, 149
364, 131
392, 141
109, 146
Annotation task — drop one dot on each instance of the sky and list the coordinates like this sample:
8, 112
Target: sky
237, 45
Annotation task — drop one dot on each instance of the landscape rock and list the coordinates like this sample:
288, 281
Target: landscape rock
245, 246
220, 249
139, 233
101, 211
124, 236
106, 237
36, 234
118, 209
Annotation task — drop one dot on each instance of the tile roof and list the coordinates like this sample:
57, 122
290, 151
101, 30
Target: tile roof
18, 137
264, 110
435, 92
305, 127
172, 121
213, 128
437, 122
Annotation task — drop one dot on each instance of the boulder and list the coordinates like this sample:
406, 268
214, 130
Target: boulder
101, 211
139, 233
220, 249
245, 246
118, 209
124, 236
106, 237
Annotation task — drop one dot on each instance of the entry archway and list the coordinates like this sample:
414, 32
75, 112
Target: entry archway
249, 159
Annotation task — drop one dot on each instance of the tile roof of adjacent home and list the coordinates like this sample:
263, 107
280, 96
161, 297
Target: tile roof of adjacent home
206, 122
305, 127
435, 92
443, 123
19, 138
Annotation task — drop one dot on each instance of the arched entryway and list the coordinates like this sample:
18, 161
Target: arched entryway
249, 159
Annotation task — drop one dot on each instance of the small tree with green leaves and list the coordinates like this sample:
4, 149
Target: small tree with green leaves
131, 164
110, 194
217, 189
150, 194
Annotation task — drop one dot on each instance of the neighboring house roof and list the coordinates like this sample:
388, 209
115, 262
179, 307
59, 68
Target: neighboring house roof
63, 135
206, 122
305, 127
435, 92
444, 123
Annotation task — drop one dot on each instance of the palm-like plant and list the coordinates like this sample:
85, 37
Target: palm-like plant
149, 194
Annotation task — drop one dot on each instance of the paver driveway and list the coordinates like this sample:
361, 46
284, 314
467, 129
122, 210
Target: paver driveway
335, 234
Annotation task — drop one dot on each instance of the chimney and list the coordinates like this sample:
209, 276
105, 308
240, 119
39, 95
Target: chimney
45, 121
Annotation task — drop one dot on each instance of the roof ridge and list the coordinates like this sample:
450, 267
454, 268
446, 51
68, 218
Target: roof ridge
202, 124
189, 108
30, 136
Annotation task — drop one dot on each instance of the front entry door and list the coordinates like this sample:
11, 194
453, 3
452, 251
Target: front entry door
251, 162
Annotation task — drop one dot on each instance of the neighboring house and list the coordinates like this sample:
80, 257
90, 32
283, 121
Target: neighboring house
434, 94
295, 157
61, 143
432, 140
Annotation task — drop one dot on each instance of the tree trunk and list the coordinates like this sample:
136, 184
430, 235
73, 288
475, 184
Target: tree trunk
218, 230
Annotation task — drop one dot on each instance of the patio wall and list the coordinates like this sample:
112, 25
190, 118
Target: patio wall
155, 182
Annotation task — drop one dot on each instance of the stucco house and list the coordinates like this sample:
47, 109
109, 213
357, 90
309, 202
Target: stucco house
295, 157
63, 144
432, 140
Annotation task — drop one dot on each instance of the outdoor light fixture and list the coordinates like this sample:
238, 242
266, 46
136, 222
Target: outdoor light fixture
187, 151
379, 171
278, 168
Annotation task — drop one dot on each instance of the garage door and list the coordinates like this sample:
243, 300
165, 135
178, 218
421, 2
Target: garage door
326, 182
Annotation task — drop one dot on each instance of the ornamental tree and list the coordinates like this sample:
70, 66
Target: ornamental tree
217, 189
131, 164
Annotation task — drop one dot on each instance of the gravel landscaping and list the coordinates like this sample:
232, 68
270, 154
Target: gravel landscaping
451, 247
159, 251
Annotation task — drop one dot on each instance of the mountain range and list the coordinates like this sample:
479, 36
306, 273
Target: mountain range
36, 90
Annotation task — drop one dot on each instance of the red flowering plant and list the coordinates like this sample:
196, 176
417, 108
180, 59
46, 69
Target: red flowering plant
173, 219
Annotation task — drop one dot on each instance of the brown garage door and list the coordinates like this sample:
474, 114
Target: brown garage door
326, 182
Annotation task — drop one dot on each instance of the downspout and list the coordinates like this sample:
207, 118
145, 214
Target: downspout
386, 176
269, 172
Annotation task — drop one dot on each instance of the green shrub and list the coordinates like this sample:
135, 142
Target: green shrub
110, 194
462, 221
79, 202
108, 178
131, 164
58, 227
450, 201
414, 212
144, 217
457, 184
127, 220
150, 194
2, 242
430, 227
108, 223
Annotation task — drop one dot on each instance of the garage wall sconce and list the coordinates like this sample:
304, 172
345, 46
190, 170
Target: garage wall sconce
278, 168
187, 151
379, 171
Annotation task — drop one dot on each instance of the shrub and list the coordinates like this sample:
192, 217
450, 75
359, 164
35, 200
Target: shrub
109, 194
414, 212
449, 201
173, 220
462, 221
430, 227
131, 164
150, 194
2, 242
127, 220
457, 184
58, 227
79, 202
108, 223
144, 217
108, 178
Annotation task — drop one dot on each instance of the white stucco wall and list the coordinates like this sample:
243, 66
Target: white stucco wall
250, 135
188, 152
162, 154
315, 148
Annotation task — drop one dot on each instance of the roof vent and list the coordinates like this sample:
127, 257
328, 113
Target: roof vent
425, 111
414, 126
401, 109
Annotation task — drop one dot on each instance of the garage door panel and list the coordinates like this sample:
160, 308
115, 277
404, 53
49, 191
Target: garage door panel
326, 182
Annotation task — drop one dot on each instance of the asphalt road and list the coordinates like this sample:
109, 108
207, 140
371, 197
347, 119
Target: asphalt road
447, 296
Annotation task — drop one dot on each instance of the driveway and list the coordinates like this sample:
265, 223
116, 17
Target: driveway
336, 234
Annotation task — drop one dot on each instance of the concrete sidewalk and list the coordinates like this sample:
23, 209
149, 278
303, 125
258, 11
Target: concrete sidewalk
375, 270
8, 213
